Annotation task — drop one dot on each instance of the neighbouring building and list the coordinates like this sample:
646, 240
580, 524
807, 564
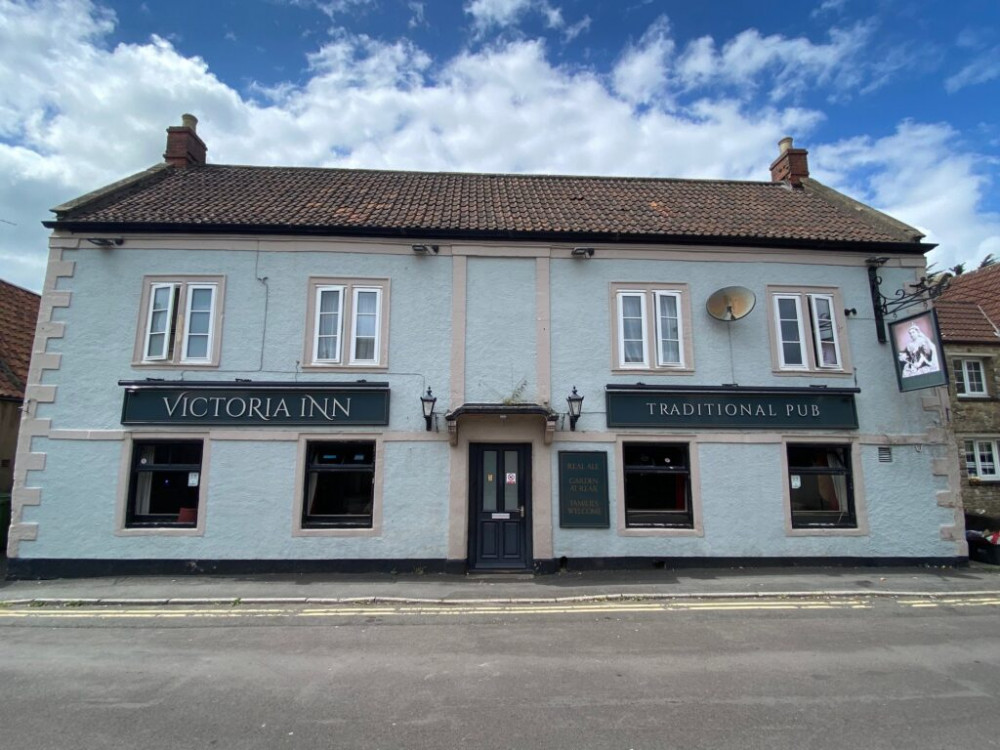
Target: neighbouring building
18, 315
263, 368
968, 312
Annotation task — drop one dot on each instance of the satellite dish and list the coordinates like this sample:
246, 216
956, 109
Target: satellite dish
731, 303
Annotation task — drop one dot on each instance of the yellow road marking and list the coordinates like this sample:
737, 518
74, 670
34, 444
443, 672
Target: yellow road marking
453, 610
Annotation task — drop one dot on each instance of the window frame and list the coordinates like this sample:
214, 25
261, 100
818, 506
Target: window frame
177, 335
124, 524
856, 484
810, 343
650, 295
302, 529
960, 371
695, 527
978, 476
347, 324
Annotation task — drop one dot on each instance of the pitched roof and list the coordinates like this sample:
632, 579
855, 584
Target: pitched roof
221, 198
965, 322
981, 286
18, 315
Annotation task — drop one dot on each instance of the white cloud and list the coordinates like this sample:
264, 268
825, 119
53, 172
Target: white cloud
919, 176
573, 31
986, 67
417, 19
640, 75
487, 14
90, 114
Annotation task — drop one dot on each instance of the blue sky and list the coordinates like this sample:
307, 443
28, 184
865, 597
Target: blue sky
895, 101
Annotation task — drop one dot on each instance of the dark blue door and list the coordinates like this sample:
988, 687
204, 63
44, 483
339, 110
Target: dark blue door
499, 512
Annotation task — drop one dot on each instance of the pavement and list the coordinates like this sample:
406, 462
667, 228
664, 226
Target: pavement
977, 579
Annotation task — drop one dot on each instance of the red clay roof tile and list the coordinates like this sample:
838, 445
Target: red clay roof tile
18, 315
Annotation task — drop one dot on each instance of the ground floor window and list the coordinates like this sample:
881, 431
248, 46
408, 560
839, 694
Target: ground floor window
981, 459
821, 486
339, 485
657, 485
165, 483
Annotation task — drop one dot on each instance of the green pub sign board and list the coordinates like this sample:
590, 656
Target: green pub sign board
733, 408
583, 490
257, 405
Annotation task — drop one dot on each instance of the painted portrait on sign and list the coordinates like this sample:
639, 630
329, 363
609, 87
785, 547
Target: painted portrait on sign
916, 344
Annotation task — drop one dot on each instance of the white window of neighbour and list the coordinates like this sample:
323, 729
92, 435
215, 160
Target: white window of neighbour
180, 321
981, 459
970, 380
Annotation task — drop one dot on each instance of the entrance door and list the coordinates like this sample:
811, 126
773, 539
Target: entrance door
499, 506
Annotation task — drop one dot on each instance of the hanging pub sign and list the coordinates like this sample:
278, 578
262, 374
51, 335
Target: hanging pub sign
257, 404
916, 350
583, 490
732, 407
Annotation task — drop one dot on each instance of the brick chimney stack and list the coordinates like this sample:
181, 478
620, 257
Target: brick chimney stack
184, 147
791, 165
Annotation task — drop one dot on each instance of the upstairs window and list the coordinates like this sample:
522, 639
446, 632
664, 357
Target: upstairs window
347, 324
807, 331
650, 328
970, 378
180, 321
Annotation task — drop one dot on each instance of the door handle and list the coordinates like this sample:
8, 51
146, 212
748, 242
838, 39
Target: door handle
521, 511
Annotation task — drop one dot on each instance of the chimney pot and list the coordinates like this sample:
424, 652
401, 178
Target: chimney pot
792, 164
184, 147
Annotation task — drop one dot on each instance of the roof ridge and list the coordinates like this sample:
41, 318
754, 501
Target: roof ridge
114, 190
513, 175
864, 211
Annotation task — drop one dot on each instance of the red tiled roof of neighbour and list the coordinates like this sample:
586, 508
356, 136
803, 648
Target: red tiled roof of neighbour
18, 315
981, 286
965, 322
221, 198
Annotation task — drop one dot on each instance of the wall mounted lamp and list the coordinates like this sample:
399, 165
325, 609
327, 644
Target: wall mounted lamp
106, 241
582, 252
424, 249
848, 312
575, 403
427, 403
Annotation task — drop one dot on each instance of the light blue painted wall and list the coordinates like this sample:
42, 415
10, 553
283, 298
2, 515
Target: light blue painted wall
500, 341
103, 316
248, 511
740, 484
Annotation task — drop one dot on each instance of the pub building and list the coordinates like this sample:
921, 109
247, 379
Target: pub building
253, 369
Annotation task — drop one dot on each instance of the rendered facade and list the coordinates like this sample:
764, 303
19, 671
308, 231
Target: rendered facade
231, 361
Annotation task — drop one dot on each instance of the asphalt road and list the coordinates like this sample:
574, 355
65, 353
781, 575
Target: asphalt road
769, 674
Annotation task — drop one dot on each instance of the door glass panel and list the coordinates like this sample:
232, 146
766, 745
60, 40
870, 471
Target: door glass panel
510, 487
489, 480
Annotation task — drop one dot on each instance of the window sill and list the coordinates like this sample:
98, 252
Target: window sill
826, 531
332, 367
161, 531
341, 531
973, 397
170, 365
660, 532
812, 373
652, 371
